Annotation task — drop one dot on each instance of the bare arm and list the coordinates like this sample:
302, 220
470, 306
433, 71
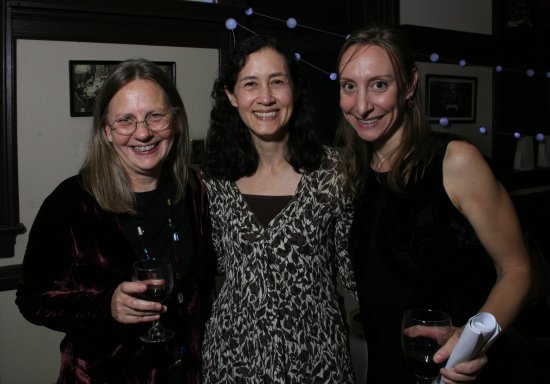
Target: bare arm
478, 195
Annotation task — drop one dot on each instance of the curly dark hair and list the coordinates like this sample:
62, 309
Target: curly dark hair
230, 152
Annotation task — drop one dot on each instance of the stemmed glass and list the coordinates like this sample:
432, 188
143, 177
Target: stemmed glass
424, 331
159, 277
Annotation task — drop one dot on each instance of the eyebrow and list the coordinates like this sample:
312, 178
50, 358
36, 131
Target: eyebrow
276, 74
372, 78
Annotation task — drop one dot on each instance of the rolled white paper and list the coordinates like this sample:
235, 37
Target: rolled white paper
479, 330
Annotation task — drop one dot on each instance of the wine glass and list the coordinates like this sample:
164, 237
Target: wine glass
159, 277
424, 331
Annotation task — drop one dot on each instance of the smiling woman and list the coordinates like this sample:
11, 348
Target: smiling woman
193, 44
263, 95
135, 197
141, 131
280, 217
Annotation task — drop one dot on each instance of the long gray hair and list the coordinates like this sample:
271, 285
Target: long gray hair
102, 173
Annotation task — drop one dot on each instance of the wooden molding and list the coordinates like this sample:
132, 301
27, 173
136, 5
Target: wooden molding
9, 277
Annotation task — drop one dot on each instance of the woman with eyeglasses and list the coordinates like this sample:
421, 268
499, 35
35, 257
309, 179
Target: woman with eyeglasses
134, 198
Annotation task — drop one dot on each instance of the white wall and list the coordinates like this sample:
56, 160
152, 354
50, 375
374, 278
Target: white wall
458, 15
51, 145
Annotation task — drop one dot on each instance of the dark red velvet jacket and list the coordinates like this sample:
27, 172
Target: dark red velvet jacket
76, 256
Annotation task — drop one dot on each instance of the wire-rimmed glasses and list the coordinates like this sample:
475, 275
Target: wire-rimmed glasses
154, 122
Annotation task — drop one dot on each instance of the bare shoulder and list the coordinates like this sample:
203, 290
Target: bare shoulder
466, 174
461, 155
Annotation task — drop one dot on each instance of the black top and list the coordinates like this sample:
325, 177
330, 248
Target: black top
166, 230
265, 208
413, 249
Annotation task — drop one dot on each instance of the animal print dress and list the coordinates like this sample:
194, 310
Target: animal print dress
277, 318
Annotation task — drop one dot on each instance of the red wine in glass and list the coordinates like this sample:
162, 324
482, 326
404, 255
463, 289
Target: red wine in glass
157, 293
159, 277
419, 356
423, 332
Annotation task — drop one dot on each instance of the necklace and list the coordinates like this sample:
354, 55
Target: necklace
154, 236
162, 229
381, 160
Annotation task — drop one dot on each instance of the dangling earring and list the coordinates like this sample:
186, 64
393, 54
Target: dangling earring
410, 102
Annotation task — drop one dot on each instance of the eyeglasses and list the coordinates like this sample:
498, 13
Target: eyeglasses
127, 126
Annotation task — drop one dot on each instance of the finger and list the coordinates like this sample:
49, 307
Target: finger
126, 308
130, 315
450, 376
140, 305
428, 331
466, 371
132, 288
471, 367
445, 351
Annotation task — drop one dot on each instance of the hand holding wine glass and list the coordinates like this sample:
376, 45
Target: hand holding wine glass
424, 331
158, 275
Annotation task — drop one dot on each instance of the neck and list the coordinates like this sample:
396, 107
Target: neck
381, 162
384, 152
143, 184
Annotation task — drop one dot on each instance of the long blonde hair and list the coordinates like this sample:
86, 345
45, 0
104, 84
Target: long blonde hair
102, 173
412, 150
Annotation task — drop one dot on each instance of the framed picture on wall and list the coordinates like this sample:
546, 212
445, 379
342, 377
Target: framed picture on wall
453, 97
87, 76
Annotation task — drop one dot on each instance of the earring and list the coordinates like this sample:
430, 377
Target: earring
410, 102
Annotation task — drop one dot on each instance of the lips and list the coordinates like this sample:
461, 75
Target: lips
144, 148
265, 115
369, 121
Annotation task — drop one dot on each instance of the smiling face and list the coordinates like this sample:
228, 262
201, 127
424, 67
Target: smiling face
144, 152
368, 91
264, 95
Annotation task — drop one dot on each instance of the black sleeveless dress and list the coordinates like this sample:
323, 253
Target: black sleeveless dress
413, 249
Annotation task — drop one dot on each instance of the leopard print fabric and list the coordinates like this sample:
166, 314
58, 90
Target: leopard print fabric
277, 318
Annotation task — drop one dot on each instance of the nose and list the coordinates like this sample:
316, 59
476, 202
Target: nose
265, 95
142, 132
364, 104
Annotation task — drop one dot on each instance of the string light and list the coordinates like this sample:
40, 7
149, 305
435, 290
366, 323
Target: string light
434, 57
291, 23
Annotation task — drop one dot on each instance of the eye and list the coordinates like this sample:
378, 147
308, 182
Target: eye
249, 84
125, 121
347, 86
155, 116
278, 83
379, 85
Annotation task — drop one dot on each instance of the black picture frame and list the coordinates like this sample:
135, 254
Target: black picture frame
452, 97
87, 76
